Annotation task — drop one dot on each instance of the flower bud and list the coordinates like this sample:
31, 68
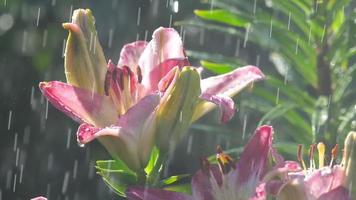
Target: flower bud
349, 163
85, 64
177, 107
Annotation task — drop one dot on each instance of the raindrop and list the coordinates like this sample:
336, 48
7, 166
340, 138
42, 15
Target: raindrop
48, 191
38, 16
65, 182
9, 120
4, 2
70, 13
15, 141
211, 5
285, 76
82, 145
32, 99
8, 179
111, 34
167, 3
323, 34
17, 156
21, 173
170, 20
46, 114
137, 36
289, 17
69, 132
246, 34
14, 185
0, 194
258, 60
270, 28
254, 7
50, 161
181, 116
309, 36
138, 16
237, 51
24, 41
244, 127
202, 36
75, 169
183, 36
26, 135
277, 96
53, 2
44, 40
146, 35
91, 170
296, 46
190, 143
175, 6
64, 47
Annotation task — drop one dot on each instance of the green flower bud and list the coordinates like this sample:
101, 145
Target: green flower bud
85, 63
349, 163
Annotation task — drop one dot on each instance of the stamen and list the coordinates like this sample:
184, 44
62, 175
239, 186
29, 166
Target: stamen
224, 160
311, 156
300, 156
321, 151
204, 165
334, 152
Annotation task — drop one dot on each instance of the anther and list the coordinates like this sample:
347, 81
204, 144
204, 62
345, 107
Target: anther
321, 151
225, 161
300, 156
334, 152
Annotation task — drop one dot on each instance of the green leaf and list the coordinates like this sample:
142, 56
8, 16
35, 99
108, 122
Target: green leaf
116, 175
223, 16
276, 112
173, 179
153, 161
218, 68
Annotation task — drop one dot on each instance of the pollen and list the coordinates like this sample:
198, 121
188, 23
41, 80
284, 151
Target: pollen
321, 151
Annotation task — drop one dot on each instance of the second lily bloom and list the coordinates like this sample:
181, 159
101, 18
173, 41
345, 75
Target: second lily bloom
149, 98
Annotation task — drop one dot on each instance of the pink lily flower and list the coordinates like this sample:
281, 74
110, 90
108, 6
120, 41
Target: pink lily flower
227, 180
323, 183
148, 98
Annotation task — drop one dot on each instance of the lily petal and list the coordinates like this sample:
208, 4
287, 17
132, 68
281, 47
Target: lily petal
85, 63
339, 193
162, 53
226, 85
80, 104
138, 193
226, 105
131, 53
202, 181
323, 180
122, 141
253, 160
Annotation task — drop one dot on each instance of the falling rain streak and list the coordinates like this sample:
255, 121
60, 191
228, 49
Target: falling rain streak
65, 182
138, 16
44, 40
277, 96
38, 16
9, 120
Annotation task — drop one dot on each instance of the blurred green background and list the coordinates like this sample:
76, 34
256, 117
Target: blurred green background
296, 44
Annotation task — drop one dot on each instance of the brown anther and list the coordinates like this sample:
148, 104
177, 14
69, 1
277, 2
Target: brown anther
300, 153
334, 151
311, 151
139, 74
225, 161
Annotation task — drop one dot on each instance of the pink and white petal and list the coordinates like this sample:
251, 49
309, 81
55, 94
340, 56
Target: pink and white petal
80, 104
131, 53
204, 181
120, 143
162, 53
252, 164
228, 85
225, 103
339, 193
39, 198
139, 193
260, 193
323, 180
